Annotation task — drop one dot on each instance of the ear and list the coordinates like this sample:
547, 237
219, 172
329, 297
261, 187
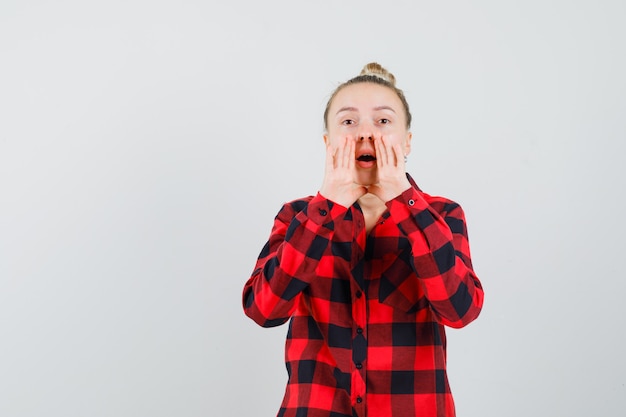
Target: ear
326, 139
407, 143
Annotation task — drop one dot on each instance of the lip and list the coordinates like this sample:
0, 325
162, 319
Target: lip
365, 150
366, 164
366, 159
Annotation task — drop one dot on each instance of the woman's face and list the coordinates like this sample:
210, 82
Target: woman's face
366, 112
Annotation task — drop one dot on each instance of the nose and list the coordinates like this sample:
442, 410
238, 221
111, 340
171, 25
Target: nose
367, 130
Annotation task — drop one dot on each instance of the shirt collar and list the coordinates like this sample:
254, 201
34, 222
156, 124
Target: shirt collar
412, 181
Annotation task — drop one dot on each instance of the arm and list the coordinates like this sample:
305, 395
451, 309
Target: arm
440, 256
293, 255
290, 259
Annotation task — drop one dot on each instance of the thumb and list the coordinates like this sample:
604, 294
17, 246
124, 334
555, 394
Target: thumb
360, 191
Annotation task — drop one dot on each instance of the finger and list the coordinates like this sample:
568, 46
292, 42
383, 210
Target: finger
397, 150
339, 155
351, 153
381, 152
391, 157
348, 152
330, 157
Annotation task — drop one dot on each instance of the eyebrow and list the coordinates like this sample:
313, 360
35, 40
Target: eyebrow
384, 108
346, 109
355, 109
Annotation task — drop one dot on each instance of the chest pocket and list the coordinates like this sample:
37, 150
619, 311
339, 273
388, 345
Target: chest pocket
399, 287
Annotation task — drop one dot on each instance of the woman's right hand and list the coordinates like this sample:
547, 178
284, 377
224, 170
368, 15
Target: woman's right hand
339, 183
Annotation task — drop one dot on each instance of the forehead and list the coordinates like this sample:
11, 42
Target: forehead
365, 96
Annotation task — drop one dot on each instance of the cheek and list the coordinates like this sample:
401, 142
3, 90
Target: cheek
395, 136
393, 139
335, 141
337, 136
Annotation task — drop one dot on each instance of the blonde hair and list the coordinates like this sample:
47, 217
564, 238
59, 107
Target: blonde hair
376, 74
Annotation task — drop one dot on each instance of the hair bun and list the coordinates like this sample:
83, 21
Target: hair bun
377, 70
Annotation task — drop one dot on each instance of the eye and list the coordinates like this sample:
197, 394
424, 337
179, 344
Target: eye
347, 122
384, 121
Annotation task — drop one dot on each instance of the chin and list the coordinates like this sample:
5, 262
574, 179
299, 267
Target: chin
367, 180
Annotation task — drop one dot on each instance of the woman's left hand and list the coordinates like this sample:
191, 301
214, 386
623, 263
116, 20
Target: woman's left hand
392, 179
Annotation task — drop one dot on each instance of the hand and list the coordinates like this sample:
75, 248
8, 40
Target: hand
392, 180
339, 183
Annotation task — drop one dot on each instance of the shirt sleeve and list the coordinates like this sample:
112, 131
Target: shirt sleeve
290, 259
440, 256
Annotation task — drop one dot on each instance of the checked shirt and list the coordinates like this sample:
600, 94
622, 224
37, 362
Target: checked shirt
366, 311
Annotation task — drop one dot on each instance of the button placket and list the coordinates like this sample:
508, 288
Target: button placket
359, 313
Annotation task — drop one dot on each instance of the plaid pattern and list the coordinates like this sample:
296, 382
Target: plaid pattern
367, 312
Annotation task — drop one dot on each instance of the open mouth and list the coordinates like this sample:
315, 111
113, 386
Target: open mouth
366, 158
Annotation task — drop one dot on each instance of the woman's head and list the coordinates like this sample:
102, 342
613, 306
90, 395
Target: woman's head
368, 108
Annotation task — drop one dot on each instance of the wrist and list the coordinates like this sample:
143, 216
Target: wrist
399, 189
330, 197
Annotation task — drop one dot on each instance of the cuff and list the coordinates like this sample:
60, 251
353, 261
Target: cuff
322, 210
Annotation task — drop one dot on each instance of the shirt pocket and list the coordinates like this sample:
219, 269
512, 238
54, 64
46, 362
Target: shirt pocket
399, 287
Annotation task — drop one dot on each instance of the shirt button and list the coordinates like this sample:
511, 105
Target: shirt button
359, 365
358, 294
359, 400
359, 330
411, 202
323, 212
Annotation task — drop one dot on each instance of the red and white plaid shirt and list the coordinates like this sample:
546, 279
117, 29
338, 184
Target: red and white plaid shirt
367, 311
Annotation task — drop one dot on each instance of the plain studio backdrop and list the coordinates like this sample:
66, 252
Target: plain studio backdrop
146, 146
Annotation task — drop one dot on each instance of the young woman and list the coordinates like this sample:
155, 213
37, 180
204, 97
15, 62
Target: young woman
368, 271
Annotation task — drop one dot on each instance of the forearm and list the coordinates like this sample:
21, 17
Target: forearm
289, 262
440, 257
